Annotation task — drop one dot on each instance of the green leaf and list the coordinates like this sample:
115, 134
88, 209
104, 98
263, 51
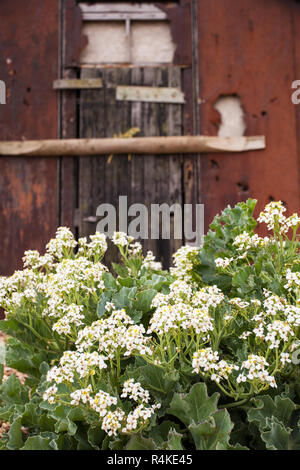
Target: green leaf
96, 436
63, 423
12, 391
273, 417
37, 443
23, 358
15, 437
194, 406
156, 379
124, 297
266, 408
120, 270
109, 281
144, 299
2, 352
160, 432
213, 433
278, 436
174, 440
138, 442
106, 297
126, 281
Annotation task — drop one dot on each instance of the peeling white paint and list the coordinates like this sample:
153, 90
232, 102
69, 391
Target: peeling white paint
150, 42
232, 116
107, 42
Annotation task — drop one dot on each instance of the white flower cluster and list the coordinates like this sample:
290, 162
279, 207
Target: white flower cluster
135, 391
115, 333
74, 364
138, 417
210, 296
238, 302
121, 239
256, 367
276, 331
64, 240
293, 280
49, 394
32, 259
135, 249
223, 262
73, 277
277, 323
245, 242
100, 402
185, 309
209, 361
19, 287
73, 316
150, 263
273, 215
183, 262
113, 421
95, 248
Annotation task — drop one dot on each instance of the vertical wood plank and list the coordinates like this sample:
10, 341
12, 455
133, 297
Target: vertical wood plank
143, 179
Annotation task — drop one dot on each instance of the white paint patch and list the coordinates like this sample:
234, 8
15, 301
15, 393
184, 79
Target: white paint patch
107, 42
232, 116
150, 42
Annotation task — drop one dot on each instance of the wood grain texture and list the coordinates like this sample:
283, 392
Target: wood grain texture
148, 179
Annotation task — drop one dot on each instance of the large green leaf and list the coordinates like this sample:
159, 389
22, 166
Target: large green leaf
12, 391
273, 418
37, 443
144, 299
15, 436
213, 433
195, 406
138, 442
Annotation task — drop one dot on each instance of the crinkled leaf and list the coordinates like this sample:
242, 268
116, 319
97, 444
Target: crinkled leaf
15, 437
37, 443
213, 433
144, 299
194, 406
138, 442
174, 440
12, 391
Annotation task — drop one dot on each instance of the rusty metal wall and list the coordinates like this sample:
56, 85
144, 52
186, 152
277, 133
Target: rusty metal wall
28, 186
251, 48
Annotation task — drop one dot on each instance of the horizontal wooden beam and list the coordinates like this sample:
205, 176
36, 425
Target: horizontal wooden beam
135, 145
149, 94
75, 84
112, 11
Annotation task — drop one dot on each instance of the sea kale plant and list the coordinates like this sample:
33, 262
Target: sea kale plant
203, 356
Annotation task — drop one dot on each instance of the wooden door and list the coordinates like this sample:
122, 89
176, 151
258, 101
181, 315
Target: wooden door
145, 179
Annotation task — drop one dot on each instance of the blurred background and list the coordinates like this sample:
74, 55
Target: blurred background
234, 61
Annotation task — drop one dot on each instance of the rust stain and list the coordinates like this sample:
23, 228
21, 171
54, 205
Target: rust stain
28, 201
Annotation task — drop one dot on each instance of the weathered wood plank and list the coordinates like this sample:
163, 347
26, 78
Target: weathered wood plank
148, 180
77, 83
141, 145
149, 94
